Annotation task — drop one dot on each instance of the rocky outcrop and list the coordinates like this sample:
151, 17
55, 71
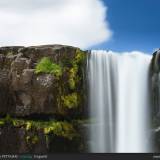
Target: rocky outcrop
155, 91
30, 136
25, 92
41, 83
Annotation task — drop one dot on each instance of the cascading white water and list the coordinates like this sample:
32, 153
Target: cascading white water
119, 102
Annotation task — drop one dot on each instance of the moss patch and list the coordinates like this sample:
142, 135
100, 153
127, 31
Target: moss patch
32, 139
46, 65
73, 71
70, 101
70, 91
2, 122
58, 128
73, 77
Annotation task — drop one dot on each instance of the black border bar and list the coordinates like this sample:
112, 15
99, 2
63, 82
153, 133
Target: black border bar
84, 156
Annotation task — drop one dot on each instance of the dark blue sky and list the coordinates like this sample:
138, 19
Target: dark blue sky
135, 25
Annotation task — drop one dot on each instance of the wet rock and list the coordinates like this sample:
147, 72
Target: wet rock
155, 84
155, 93
14, 140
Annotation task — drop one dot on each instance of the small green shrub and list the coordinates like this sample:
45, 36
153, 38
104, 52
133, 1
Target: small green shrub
70, 101
47, 66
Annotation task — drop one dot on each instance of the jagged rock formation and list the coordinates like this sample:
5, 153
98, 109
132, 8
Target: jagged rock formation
42, 94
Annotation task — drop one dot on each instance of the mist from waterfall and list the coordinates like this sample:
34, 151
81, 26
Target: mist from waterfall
119, 102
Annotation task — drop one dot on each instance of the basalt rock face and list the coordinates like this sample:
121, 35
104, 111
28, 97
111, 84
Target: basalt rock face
23, 92
27, 94
155, 91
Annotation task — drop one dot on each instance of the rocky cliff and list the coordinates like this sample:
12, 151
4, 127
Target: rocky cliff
155, 94
42, 99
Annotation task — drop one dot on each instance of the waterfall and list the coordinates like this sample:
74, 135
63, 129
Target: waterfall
119, 102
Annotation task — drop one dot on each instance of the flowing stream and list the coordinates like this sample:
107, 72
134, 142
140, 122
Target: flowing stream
119, 102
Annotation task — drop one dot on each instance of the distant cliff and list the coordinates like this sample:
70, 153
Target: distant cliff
42, 99
155, 93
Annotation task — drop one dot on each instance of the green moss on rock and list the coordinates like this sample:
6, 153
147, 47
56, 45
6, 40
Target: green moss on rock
62, 129
2, 122
70, 101
73, 77
32, 139
46, 65
76, 63
58, 128
80, 56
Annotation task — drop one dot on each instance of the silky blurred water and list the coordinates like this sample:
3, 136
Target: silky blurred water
119, 101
